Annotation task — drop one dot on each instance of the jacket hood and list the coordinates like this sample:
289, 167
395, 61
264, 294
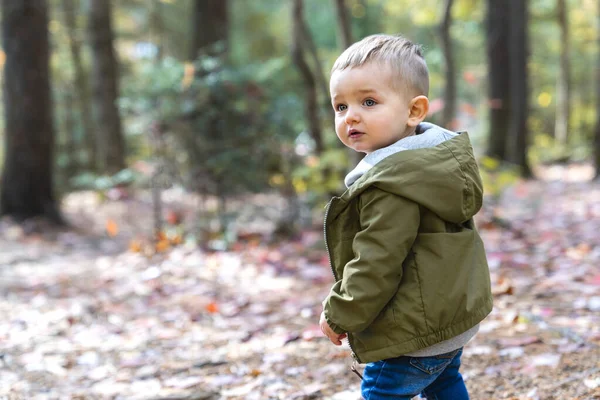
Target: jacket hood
443, 178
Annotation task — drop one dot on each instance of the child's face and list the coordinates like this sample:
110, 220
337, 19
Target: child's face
369, 113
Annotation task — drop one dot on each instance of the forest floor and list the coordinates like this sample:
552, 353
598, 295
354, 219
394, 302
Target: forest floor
90, 315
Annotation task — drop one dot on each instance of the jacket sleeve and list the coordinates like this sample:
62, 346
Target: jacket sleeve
389, 226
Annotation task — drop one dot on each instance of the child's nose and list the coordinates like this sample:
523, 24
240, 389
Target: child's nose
352, 115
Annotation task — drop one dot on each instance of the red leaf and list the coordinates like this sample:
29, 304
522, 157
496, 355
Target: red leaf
212, 308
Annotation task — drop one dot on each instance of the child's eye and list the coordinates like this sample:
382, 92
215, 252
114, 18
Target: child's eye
341, 107
369, 102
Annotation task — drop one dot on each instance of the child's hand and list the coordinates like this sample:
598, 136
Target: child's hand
334, 337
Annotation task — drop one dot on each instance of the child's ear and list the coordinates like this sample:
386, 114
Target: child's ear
418, 109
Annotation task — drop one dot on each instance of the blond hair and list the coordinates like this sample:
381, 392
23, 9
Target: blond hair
403, 56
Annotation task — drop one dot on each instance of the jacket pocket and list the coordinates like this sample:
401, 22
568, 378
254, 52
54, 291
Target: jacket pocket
453, 276
406, 308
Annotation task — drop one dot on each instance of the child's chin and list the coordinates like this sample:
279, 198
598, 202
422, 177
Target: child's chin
359, 148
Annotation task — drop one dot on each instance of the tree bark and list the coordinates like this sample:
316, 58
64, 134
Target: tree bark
450, 92
69, 140
210, 24
597, 128
314, 54
498, 77
345, 41
158, 29
519, 49
343, 24
110, 142
563, 85
311, 103
27, 183
82, 91
156, 136
368, 16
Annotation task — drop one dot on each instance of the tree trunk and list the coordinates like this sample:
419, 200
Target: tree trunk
314, 54
563, 85
288, 226
69, 140
345, 41
210, 24
81, 84
519, 49
498, 77
110, 142
311, 103
343, 23
26, 189
597, 128
158, 29
156, 136
450, 92
367, 14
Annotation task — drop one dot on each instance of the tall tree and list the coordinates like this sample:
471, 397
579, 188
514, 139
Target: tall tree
81, 82
210, 24
26, 189
309, 43
155, 18
343, 24
367, 14
597, 128
563, 84
344, 41
311, 102
105, 82
210, 37
67, 143
519, 85
497, 24
450, 91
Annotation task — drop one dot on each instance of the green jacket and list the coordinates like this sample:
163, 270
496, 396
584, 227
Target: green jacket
409, 265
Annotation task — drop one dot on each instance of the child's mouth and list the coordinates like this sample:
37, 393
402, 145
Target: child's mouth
355, 134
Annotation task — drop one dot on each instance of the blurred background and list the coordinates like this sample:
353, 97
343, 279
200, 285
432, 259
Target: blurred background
165, 166
225, 98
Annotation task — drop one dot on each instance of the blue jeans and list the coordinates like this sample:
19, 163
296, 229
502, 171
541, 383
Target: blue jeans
435, 377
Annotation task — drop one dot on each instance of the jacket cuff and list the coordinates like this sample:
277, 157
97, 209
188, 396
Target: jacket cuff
334, 327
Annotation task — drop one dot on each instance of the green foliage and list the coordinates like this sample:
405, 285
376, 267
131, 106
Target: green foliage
267, 21
323, 175
222, 125
88, 180
497, 176
547, 150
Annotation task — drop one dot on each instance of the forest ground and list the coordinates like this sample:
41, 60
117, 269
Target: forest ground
86, 315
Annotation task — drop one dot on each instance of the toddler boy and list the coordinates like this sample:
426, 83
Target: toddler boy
411, 277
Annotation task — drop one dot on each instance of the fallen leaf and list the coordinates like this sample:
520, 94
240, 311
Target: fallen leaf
212, 308
519, 341
135, 246
162, 246
112, 228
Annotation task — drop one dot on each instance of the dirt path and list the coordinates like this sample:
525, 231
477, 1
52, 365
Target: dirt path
83, 318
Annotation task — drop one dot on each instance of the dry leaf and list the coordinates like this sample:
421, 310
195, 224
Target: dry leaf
112, 229
176, 240
212, 308
135, 246
162, 246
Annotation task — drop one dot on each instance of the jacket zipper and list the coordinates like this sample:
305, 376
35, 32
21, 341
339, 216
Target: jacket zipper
328, 206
